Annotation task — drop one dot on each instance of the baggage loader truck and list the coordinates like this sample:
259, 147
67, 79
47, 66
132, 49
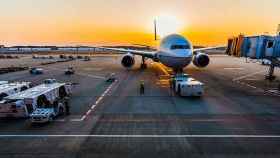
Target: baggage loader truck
50, 94
13, 88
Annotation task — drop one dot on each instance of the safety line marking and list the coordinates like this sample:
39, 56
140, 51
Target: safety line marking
78, 73
248, 75
144, 136
233, 68
97, 101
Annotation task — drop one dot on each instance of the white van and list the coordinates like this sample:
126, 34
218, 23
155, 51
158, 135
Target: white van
184, 85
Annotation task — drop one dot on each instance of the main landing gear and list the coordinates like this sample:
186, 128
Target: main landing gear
143, 64
274, 63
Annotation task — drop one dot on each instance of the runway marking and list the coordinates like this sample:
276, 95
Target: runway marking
252, 79
59, 120
93, 69
270, 92
273, 92
233, 68
218, 55
75, 120
237, 80
142, 136
251, 86
248, 75
83, 118
162, 68
92, 76
97, 102
81, 74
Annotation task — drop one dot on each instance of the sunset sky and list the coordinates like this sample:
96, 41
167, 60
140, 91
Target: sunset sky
110, 22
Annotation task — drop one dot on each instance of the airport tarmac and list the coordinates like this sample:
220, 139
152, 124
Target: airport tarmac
237, 117
24, 60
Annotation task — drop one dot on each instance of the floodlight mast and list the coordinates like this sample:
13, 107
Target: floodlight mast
155, 27
278, 30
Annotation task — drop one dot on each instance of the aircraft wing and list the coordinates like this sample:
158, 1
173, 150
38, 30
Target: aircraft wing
135, 52
207, 48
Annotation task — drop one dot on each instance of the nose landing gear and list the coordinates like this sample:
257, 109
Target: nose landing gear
178, 71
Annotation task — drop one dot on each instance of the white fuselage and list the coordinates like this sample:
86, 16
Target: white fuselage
175, 51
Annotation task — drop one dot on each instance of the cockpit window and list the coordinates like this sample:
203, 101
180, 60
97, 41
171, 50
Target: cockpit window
180, 47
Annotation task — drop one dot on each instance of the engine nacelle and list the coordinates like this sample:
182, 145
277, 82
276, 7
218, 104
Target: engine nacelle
201, 60
128, 60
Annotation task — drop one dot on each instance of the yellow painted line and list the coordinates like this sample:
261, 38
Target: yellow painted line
162, 68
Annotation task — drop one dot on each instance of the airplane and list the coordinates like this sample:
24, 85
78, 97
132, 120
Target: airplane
175, 51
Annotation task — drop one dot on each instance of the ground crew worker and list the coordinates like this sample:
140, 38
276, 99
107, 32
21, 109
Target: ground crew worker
171, 83
142, 87
67, 108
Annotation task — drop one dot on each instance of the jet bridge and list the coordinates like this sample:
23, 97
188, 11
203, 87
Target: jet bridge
257, 47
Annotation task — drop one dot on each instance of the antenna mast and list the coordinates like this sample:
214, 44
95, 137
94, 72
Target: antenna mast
155, 27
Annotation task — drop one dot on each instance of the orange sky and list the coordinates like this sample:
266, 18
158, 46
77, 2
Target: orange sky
89, 22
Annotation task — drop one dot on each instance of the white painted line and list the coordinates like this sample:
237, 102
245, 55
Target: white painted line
88, 112
251, 86
218, 55
252, 79
59, 120
93, 106
233, 68
248, 75
76, 120
145, 136
248, 85
83, 118
97, 101
92, 76
81, 74
273, 92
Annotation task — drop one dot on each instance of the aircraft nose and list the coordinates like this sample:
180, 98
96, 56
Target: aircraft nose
183, 53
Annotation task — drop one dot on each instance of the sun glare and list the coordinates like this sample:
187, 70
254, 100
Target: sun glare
167, 24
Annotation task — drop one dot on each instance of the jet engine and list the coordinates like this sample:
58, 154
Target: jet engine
128, 60
201, 60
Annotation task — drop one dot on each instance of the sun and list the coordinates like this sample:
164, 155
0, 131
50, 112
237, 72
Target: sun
167, 24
